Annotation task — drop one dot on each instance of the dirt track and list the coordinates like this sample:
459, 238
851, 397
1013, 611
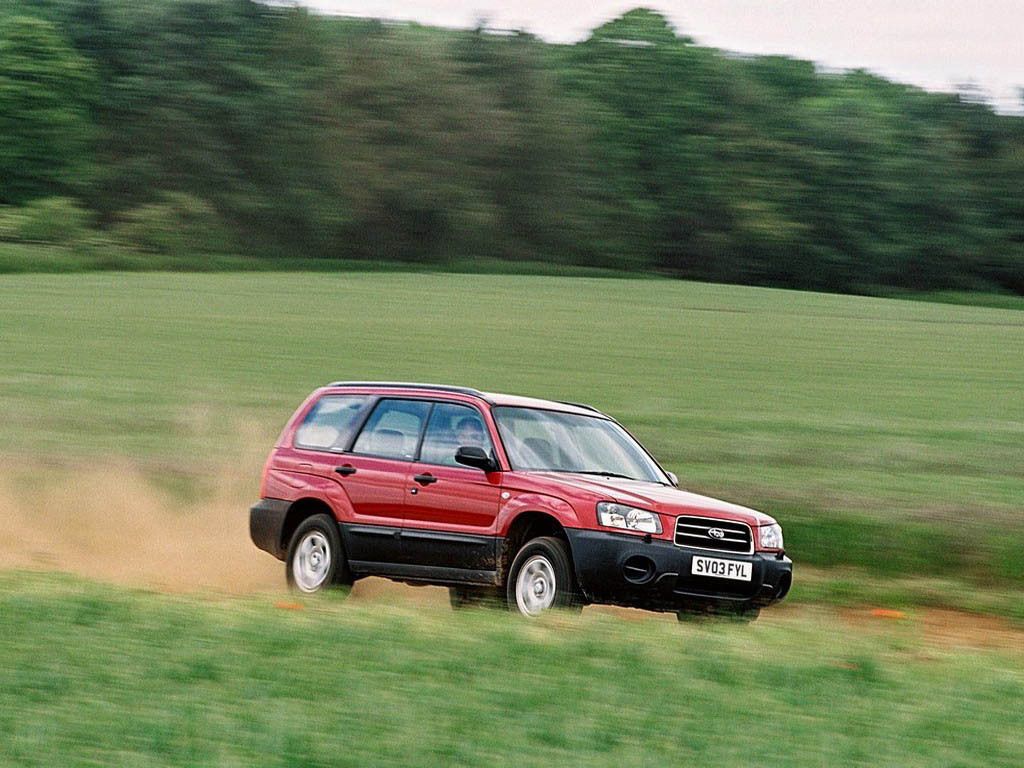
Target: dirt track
112, 525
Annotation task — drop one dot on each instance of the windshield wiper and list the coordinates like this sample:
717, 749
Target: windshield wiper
611, 474
601, 473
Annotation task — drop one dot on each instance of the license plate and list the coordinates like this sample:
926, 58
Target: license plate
721, 569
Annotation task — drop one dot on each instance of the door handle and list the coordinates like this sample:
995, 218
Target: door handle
425, 479
346, 470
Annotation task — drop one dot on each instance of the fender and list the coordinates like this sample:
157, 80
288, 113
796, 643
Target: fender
530, 501
301, 485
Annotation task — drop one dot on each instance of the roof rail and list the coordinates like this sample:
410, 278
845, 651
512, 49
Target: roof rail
410, 385
584, 406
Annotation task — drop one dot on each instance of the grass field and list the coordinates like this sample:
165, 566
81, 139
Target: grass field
886, 435
136, 411
136, 679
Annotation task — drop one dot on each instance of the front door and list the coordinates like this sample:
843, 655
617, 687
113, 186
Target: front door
450, 509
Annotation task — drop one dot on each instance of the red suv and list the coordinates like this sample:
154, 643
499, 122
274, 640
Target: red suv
538, 503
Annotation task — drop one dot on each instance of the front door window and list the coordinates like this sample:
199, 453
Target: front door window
452, 427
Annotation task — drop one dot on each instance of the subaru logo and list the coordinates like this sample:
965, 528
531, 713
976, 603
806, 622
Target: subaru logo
716, 533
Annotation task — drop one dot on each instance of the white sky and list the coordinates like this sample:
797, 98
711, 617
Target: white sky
935, 44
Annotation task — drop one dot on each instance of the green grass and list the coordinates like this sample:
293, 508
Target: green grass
93, 676
845, 587
886, 435
967, 298
40, 258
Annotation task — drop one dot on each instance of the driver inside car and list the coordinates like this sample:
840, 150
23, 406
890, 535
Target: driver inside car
470, 432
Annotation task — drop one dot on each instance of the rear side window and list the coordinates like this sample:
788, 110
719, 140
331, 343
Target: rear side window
393, 429
330, 423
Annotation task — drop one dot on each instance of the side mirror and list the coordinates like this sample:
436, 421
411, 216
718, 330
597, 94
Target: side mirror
475, 456
673, 479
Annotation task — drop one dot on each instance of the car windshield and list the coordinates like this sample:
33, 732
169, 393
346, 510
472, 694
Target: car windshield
537, 439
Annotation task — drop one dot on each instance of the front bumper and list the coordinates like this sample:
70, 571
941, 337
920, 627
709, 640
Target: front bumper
624, 569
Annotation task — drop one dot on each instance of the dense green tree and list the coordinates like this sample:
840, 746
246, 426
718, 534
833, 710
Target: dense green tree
231, 124
535, 169
45, 127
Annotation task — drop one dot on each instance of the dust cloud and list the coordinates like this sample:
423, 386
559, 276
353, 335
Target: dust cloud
114, 524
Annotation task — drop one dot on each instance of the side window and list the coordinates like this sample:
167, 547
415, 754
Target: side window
451, 427
393, 429
330, 422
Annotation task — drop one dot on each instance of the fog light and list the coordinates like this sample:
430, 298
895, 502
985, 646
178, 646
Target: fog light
638, 569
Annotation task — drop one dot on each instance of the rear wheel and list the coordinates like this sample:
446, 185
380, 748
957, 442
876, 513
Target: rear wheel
316, 561
541, 578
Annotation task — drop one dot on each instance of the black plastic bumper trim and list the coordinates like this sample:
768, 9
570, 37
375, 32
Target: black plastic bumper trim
599, 558
424, 573
266, 520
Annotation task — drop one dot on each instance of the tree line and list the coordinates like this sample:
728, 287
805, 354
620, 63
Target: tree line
228, 126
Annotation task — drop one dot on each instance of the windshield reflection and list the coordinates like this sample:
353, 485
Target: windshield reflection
553, 441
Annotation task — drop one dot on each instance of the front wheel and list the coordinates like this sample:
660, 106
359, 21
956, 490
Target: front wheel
316, 561
541, 578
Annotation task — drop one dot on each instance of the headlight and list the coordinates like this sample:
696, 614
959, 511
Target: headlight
770, 536
628, 518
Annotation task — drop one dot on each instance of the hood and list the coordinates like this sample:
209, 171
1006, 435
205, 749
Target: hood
645, 495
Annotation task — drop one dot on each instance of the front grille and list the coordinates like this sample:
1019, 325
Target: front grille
694, 532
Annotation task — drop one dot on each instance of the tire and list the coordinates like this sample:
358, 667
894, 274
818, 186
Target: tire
541, 578
473, 597
316, 561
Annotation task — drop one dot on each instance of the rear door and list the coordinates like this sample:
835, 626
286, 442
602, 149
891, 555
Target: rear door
451, 510
374, 475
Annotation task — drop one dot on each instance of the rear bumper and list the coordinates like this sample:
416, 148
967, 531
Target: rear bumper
266, 521
623, 569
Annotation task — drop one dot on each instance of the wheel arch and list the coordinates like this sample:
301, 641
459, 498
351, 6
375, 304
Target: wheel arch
529, 524
300, 510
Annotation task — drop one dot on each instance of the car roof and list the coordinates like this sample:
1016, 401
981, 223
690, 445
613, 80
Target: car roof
493, 398
518, 401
